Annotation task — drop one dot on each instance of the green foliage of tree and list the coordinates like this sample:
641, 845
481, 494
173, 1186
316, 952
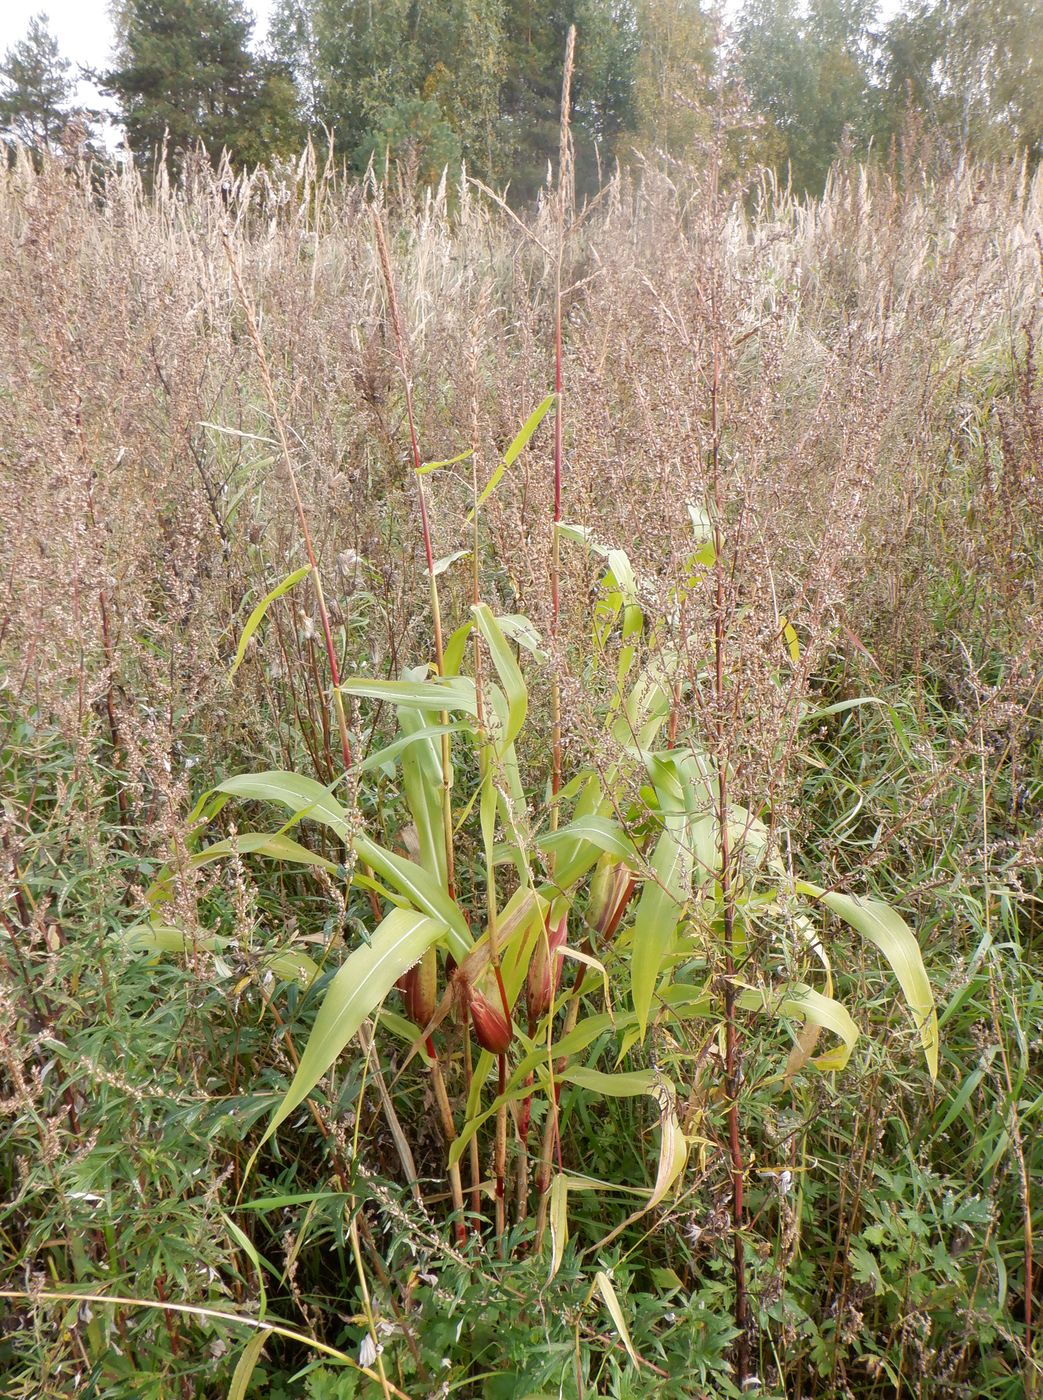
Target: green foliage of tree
677, 55
973, 69
811, 77
35, 88
479, 82
413, 135
187, 74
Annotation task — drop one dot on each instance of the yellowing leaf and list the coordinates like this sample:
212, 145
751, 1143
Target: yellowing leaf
604, 1286
559, 1222
878, 922
246, 1365
789, 636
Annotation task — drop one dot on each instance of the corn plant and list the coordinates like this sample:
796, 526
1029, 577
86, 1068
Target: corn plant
641, 884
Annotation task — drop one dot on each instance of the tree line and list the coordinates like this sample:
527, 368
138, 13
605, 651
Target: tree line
429, 86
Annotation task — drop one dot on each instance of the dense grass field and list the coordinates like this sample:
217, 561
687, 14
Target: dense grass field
687, 771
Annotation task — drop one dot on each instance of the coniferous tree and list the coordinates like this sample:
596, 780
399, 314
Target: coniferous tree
187, 74
35, 89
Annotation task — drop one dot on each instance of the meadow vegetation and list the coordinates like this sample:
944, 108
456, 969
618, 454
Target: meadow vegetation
618, 623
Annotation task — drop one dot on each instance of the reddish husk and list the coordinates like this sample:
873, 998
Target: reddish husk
492, 1030
545, 969
420, 989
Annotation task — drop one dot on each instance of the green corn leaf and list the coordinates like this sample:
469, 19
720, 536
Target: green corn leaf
427, 467
256, 617
665, 891
878, 922
438, 693
448, 560
516, 448
361, 984
576, 847
164, 938
307, 798
508, 671
303, 796
264, 843
424, 890
804, 1003
520, 630
456, 647
391, 753
422, 782
621, 1085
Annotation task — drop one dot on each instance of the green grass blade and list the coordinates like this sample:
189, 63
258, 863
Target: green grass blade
256, 617
516, 448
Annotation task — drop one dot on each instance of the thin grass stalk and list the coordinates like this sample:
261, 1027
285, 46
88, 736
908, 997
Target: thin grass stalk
726, 871
287, 457
564, 179
278, 1329
1016, 1138
563, 209
425, 525
437, 1079
342, 1172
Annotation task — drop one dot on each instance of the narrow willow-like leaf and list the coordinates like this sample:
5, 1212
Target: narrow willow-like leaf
361, 984
878, 922
533, 421
290, 964
603, 1284
256, 617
